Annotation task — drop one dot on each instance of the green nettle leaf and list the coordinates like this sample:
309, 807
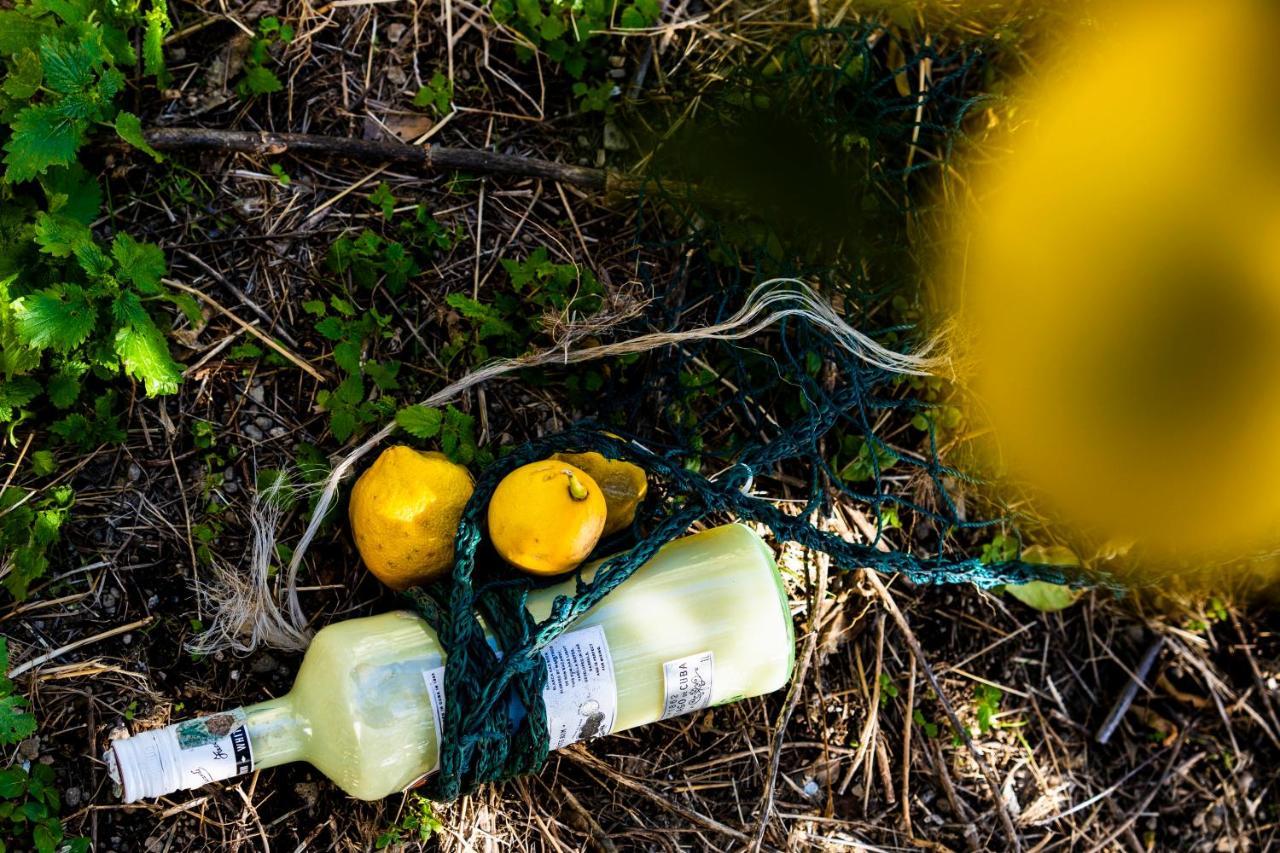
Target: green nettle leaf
420, 421
144, 355
342, 423
16, 393
41, 137
23, 80
18, 31
93, 260
64, 387
43, 463
71, 67
381, 197
58, 318
142, 264
129, 127
347, 356
15, 724
157, 26
60, 235
261, 81
73, 192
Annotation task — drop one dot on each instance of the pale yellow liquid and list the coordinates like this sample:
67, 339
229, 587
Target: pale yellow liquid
359, 711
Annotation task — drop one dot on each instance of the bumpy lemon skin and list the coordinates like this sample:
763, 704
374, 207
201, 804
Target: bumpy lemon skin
624, 486
404, 515
537, 526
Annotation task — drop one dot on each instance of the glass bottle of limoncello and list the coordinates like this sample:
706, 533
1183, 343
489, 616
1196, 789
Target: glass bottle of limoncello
704, 622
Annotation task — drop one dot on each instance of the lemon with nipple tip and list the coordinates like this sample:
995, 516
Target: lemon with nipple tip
545, 517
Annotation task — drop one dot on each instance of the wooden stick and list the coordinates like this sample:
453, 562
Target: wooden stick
427, 156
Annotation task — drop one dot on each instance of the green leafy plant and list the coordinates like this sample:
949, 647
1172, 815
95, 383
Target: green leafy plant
73, 304
454, 428
350, 331
436, 95
930, 728
540, 289
860, 460
888, 690
562, 28
258, 78
29, 524
370, 259
419, 823
29, 802
1001, 549
987, 699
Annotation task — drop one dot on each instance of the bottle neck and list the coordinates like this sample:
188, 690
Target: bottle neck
278, 732
208, 749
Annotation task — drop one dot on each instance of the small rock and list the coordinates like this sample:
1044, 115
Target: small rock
396, 75
153, 844
395, 33
263, 423
29, 749
264, 663
601, 154
72, 796
252, 432
152, 602
127, 639
277, 432
230, 488
258, 394
308, 792
135, 472
811, 788
614, 139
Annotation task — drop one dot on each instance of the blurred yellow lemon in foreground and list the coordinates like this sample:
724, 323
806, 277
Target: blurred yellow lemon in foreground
545, 517
404, 515
1118, 278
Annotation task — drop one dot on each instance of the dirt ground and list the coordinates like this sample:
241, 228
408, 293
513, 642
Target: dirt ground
859, 754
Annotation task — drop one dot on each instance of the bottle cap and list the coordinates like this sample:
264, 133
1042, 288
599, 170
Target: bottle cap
185, 755
146, 765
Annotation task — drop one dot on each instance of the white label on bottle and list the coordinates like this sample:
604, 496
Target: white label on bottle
213, 748
581, 695
686, 683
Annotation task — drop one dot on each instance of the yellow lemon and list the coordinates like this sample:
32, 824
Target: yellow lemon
545, 517
404, 515
623, 484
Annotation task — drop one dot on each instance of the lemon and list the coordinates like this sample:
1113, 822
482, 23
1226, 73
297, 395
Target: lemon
404, 515
1042, 595
545, 517
623, 484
